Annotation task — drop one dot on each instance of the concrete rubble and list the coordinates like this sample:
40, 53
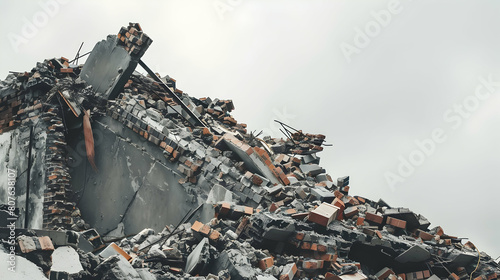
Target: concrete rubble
169, 186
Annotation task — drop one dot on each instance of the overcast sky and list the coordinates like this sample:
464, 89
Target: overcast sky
407, 91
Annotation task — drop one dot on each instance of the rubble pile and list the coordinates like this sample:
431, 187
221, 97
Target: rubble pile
230, 205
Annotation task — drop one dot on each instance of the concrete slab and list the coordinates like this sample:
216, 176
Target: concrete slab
416, 253
66, 259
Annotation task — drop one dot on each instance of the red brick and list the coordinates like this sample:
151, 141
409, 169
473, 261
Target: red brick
205, 230
324, 214
46, 243
314, 247
175, 269
197, 226
256, 180
378, 219
384, 273
273, 207
248, 210
306, 246
340, 204
338, 194
322, 248
351, 211
214, 235
328, 257
396, 222
424, 235
331, 276
360, 199
299, 236
120, 251
440, 231
300, 216
266, 263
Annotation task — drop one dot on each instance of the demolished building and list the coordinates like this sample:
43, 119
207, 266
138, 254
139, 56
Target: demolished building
132, 178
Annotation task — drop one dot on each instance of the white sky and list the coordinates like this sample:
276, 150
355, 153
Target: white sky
283, 60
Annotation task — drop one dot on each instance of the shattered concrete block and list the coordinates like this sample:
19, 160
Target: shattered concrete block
424, 235
65, 260
322, 194
311, 169
272, 190
416, 253
116, 268
236, 262
341, 205
37, 250
199, 257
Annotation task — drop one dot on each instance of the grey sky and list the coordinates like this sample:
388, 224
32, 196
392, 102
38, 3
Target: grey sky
284, 60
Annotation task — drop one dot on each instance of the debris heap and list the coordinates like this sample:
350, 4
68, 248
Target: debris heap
129, 177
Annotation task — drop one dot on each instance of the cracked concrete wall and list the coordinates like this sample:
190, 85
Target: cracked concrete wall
135, 184
108, 67
14, 150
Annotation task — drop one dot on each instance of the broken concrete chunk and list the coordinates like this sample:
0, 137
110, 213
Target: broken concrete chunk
311, 169
236, 263
343, 181
116, 268
322, 194
416, 253
66, 259
288, 271
199, 257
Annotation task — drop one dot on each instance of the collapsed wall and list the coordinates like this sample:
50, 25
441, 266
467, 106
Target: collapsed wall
105, 154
